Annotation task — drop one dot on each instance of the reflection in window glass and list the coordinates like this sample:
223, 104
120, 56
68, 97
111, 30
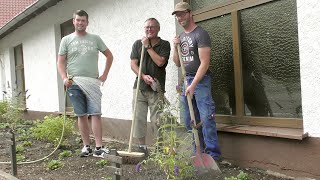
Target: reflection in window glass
270, 56
221, 64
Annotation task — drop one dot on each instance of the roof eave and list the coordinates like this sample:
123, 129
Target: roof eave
31, 12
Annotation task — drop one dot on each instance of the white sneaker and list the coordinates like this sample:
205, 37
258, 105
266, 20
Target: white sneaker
100, 153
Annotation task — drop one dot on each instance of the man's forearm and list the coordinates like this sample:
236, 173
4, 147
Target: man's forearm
202, 70
156, 58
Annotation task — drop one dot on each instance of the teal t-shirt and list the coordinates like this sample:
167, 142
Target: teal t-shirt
82, 53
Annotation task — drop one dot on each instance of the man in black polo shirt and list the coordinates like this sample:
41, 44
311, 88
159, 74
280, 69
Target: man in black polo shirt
157, 52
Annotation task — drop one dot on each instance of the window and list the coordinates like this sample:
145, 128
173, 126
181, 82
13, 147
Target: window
254, 60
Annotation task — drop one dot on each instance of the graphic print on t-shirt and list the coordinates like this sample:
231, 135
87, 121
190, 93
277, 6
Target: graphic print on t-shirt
187, 49
82, 46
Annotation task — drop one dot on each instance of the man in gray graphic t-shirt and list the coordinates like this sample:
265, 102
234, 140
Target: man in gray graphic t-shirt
195, 45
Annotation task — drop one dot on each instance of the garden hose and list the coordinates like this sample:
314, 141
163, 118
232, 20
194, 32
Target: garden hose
63, 129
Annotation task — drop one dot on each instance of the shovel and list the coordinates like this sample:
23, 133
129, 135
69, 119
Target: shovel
201, 161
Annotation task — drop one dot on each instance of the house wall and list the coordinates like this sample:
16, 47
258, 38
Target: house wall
119, 23
309, 50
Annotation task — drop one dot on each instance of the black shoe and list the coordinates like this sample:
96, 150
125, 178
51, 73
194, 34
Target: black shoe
144, 149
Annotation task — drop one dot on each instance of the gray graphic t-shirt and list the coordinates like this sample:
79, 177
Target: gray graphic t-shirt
82, 54
190, 42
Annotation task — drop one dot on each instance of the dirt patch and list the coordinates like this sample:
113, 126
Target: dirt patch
76, 168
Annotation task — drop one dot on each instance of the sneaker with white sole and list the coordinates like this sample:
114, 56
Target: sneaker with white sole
86, 151
100, 152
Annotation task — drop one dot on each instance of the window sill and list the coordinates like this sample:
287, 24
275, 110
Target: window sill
288, 133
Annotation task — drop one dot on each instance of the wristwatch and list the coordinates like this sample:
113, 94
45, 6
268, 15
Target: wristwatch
148, 47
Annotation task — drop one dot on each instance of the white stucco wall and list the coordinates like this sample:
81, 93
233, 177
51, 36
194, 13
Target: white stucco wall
309, 49
119, 23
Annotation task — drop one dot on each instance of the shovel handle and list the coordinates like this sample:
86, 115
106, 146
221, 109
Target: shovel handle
135, 99
212, 164
195, 131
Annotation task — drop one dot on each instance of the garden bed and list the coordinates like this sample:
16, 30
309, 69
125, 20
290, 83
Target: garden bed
65, 162
76, 168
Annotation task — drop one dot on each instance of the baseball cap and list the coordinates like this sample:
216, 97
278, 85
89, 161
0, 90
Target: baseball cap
181, 6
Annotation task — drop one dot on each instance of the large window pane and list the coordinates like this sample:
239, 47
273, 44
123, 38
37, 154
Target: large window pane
221, 64
271, 68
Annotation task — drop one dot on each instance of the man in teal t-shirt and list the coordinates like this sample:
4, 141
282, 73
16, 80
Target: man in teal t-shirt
78, 57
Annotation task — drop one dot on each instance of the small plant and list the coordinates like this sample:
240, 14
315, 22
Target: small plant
174, 163
4, 125
64, 154
23, 137
26, 143
241, 176
3, 108
77, 151
230, 178
54, 164
19, 149
20, 158
102, 163
50, 129
106, 178
11, 112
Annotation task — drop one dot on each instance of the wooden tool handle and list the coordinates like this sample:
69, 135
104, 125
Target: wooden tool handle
194, 130
135, 99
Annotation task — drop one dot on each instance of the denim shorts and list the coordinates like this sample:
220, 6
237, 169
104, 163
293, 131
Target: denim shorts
83, 105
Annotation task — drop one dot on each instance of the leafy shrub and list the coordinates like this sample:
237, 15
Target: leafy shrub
241, 176
26, 143
107, 178
4, 125
102, 163
3, 108
20, 158
10, 112
64, 154
175, 164
54, 164
50, 129
19, 149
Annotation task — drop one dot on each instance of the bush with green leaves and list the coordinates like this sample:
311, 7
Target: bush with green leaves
174, 163
10, 113
20, 158
64, 154
241, 176
3, 108
26, 143
102, 163
19, 149
106, 178
54, 164
4, 125
50, 129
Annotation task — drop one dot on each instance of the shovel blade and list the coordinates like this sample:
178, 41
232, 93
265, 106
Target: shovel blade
198, 165
204, 163
210, 163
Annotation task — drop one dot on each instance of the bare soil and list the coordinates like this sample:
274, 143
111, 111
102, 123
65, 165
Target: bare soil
76, 168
